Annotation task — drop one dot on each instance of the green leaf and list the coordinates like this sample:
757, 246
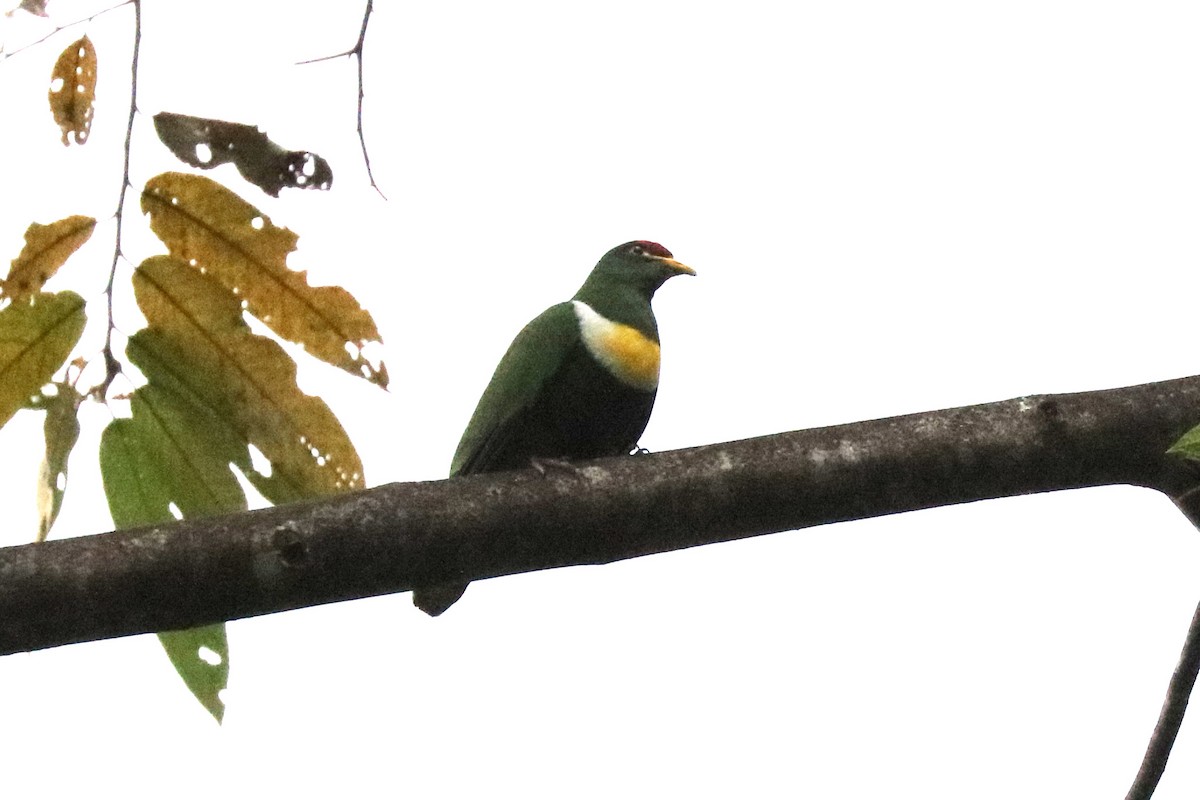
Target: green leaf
61, 430
36, 337
137, 488
167, 459
198, 346
201, 657
1188, 445
209, 227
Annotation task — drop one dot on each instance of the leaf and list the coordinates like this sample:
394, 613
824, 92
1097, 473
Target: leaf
1188, 445
164, 461
214, 230
197, 346
35, 7
73, 91
207, 143
47, 247
201, 657
61, 430
36, 337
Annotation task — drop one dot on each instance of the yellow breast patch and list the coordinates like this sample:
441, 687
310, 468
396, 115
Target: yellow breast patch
631, 356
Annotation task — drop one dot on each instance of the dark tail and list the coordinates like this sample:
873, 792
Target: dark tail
433, 600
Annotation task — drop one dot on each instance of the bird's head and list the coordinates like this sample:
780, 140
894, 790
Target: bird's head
640, 264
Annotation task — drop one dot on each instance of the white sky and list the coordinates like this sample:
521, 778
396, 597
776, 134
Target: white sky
892, 207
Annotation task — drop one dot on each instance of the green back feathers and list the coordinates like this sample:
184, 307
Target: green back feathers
532, 359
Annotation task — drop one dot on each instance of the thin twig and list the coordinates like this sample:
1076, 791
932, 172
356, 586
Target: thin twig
357, 52
5, 56
1171, 716
112, 367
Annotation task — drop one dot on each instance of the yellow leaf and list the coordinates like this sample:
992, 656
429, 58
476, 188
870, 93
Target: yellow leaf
47, 247
219, 233
36, 336
73, 90
198, 346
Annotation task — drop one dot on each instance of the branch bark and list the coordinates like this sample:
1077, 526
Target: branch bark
397, 536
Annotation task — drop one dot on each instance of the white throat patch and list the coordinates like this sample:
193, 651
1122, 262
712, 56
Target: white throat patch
626, 352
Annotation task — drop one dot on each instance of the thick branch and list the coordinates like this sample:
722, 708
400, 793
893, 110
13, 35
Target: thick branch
397, 536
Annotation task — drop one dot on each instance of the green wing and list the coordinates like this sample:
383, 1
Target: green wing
532, 359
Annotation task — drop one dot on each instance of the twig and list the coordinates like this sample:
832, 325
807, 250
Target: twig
112, 367
357, 52
5, 56
1171, 716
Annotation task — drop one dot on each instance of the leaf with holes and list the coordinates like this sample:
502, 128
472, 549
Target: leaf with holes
47, 247
207, 143
210, 227
197, 345
201, 657
73, 91
154, 464
36, 336
61, 430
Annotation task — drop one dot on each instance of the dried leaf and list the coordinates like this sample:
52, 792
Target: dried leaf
73, 91
36, 336
207, 143
47, 247
197, 346
35, 7
205, 224
61, 430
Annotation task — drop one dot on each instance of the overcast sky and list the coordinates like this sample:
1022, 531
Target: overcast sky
891, 207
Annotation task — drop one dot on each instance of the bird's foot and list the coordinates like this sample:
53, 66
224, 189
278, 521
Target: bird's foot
544, 465
638, 450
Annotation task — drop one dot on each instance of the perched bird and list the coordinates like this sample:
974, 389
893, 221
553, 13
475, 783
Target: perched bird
578, 382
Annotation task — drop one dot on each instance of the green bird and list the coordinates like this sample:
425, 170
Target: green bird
578, 382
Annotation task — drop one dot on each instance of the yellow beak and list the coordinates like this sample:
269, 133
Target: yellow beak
678, 266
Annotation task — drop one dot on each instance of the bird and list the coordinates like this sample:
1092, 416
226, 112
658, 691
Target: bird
578, 382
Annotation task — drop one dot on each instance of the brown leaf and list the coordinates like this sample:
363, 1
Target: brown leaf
222, 235
207, 143
47, 247
198, 347
73, 91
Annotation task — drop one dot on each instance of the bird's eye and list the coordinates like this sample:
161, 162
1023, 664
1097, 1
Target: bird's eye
637, 250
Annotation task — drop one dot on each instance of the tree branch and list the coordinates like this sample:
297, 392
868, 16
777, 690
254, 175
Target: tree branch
397, 536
